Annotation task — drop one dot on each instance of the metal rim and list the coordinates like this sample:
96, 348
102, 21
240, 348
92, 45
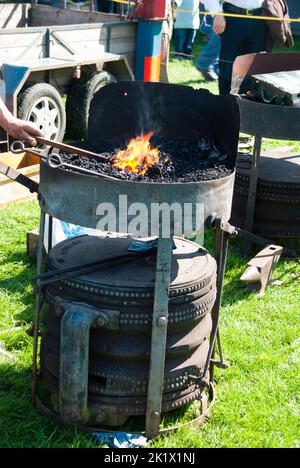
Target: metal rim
45, 411
221, 180
45, 114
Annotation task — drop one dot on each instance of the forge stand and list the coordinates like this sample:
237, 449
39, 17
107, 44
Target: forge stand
158, 337
180, 113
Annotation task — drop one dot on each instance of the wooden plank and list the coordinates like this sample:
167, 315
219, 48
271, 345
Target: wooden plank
13, 15
8, 40
41, 15
128, 31
32, 242
12, 192
12, 54
124, 46
73, 36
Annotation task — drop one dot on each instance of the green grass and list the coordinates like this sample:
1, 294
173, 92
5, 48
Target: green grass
257, 397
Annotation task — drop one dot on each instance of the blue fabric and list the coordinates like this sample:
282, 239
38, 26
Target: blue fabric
72, 230
184, 41
142, 245
120, 439
209, 57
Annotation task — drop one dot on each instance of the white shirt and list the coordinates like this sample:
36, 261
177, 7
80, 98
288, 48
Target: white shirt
214, 6
187, 15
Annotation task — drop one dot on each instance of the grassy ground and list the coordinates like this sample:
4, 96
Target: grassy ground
257, 397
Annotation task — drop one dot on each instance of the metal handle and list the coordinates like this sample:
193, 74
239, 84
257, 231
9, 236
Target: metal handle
19, 177
70, 148
74, 362
55, 161
18, 147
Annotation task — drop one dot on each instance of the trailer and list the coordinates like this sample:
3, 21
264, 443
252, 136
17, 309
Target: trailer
53, 61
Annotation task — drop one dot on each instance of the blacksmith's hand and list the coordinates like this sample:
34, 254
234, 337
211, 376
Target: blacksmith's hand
22, 130
219, 24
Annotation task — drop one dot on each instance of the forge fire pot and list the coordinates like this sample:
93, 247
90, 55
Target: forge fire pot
95, 351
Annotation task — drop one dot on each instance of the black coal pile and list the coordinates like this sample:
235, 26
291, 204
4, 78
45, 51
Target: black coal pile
179, 161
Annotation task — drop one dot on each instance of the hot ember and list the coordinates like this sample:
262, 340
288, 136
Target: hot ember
138, 156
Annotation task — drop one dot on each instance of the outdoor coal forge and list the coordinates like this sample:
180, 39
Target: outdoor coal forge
115, 346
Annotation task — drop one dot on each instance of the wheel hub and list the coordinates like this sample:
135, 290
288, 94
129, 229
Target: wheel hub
45, 115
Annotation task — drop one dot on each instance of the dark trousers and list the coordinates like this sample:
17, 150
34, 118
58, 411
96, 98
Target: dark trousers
241, 36
184, 40
107, 6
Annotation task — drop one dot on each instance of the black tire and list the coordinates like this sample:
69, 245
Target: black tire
42, 105
79, 99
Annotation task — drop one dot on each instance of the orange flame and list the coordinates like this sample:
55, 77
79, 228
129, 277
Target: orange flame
138, 156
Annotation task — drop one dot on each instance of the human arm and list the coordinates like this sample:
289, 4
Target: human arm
19, 129
214, 6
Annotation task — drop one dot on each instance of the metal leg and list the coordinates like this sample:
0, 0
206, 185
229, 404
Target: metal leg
254, 173
159, 336
222, 239
50, 233
38, 304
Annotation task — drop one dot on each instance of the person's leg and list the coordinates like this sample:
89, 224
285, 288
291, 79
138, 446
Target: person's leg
189, 42
257, 37
233, 42
179, 38
208, 59
106, 6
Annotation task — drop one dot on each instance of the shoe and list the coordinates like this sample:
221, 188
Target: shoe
178, 57
208, 74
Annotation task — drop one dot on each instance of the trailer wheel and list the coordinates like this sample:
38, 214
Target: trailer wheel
79, 99
42, 105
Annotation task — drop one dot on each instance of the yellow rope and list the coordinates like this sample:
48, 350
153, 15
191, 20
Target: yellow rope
229, 15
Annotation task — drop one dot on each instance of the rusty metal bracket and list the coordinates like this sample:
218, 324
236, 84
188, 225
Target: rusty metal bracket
159, 336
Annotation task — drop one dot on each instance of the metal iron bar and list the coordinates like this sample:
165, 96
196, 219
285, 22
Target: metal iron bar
69, 148
222, 239
262, 241
38, 304
50, 228
224, 242
55, 161
254, 172
19, 177
159, 336
78, 270
18, 147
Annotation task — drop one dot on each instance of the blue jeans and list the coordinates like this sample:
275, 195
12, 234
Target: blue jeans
184, 41
208, 59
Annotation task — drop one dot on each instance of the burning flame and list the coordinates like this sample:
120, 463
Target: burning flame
138, 156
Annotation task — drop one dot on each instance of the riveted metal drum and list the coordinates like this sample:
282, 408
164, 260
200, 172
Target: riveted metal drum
117, 304
123, 110
277, 205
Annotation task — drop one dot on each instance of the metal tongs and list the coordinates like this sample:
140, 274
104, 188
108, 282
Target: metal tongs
53, 159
